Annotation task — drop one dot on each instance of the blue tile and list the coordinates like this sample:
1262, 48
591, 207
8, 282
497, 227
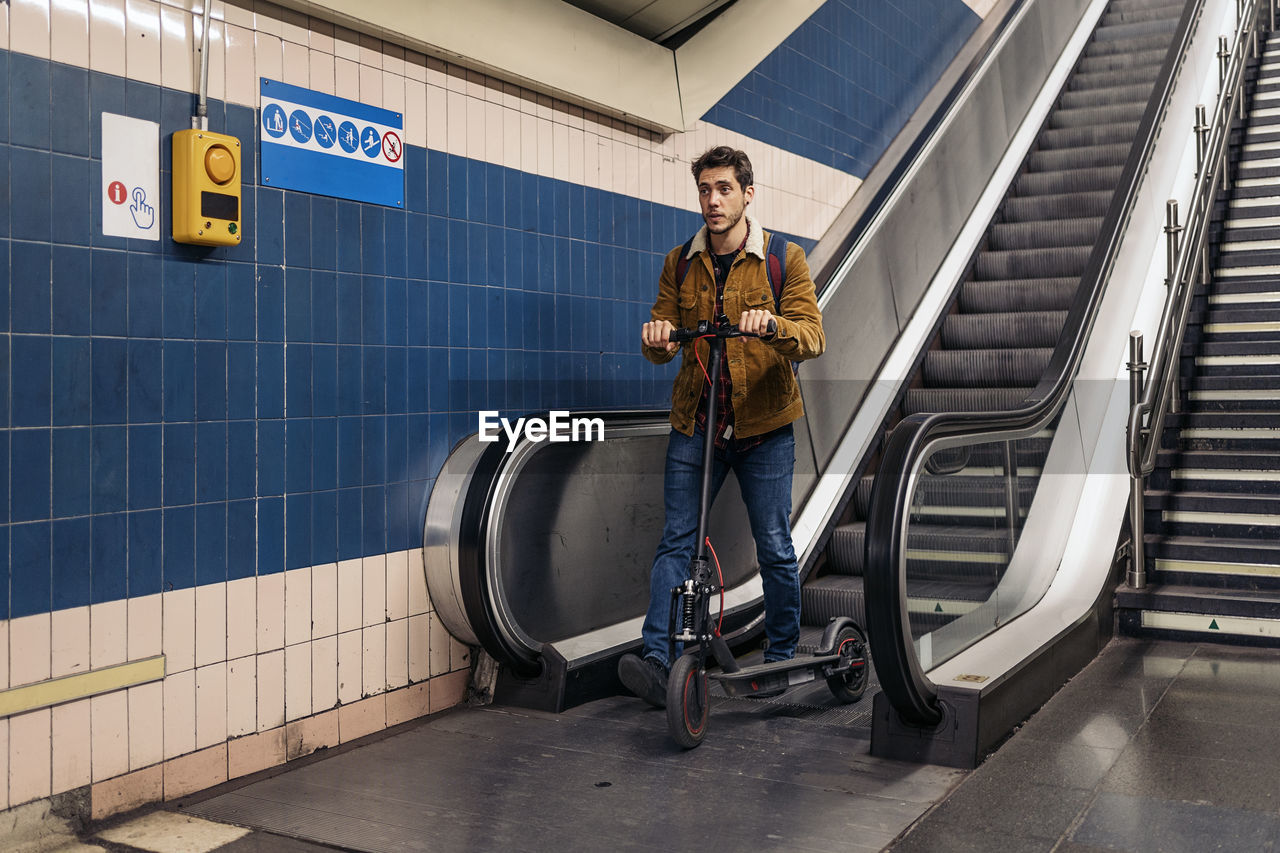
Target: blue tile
374, 452
179, 569
106, 94
70, 459
373, 363
350, 452
4, 498
298, 393
373, 502
477, 317
456, 208
437, 314
397, 306
242, 469
417, 264
513, 252
71, 183
400, 535
529, 219
179, 464
211, 543
546, 264
31, 389
324, 530
415, 178
146, 479
438, 234
495, 193
109, 562
146, 531
30, 105
242, 540
71, 364
4, 137
270, 536
477, 253
270, 380
496, 267
324, 453
324, 381
417, 312
179, 295
270, 303
109, 468
110, 381
242, 314
31, 294
241, 386
298, 531
418, 429
71, 564
529, 272
179, 381
350, 525
297, 229
211, 461
31, 180
211, 301
458, 237
298, 452
373, 307
397, 449
271, 450
348, 242
397, 378
324, 224
372, 245
476, 381
459, 385
69, 89
395, 247
145, 283
560, 202
5, 269
324, 307
30, 569
437, 183
297, 305
349, 308
418, 379
547, 212
495, 317
269, 237
350, 394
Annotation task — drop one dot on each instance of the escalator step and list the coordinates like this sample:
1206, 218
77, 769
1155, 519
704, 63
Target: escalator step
1022, 329
1037, 235
1040, 294
919, 400
985, 368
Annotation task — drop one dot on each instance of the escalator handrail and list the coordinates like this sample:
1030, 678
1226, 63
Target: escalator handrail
902, 680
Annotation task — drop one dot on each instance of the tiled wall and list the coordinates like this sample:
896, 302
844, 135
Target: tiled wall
223, 456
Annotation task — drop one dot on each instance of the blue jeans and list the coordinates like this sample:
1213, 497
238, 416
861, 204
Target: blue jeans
764, 476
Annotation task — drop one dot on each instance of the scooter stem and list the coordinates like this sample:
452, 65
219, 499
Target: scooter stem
709, 442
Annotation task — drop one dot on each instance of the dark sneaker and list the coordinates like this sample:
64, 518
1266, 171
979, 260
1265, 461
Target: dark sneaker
646, 678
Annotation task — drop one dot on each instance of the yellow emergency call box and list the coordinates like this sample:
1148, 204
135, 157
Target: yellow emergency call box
206, 188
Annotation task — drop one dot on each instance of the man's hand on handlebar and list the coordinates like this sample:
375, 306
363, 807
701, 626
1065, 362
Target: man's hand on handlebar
757, 321
657, 334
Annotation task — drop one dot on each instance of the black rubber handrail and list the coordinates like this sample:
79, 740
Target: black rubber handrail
902, 680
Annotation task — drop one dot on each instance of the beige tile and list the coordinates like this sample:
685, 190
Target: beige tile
419, 647
305, 736
242, 696
393, 92
267, 17
439, 648
324, 673
179, 638
350, 595
370, 85
177, 55
255, 752
297, 606
296, 63
419, 599
560, 152
179, 713
69, 32
217, 61
346, 78
211, 705
270, 690
528, 143
271, 612
324, 600
362, 718
350, 660
242, 81
415, 66
321, 36
30, 753
374, 639
146, 626
239, 14
195, 772
29, 27
4, 758
346, 43
211, 623
397, 652
477, 128
321, 71
29, 649
268, 56
163, 832
126, 793
70, 633
110, 728
293, 27
374, 590
437, 118
297, 681
142, 41
146, 725
409, 703
109, 633
242, 617
4, 644
456, 117
511, 143
370, 51
459, 654
449, 690
107, 42
72, 749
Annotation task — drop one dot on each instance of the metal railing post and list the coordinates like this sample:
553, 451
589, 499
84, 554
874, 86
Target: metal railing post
1171, 231
1137, 575
1202, 143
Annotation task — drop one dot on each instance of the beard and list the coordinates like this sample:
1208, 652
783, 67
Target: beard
727, 223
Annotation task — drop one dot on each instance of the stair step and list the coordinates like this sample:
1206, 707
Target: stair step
1199, 613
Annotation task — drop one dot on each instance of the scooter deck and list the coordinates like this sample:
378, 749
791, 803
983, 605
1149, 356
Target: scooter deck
775, 676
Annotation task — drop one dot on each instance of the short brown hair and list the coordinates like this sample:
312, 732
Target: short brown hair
723, 155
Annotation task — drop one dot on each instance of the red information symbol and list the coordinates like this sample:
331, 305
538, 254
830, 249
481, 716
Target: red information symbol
391, 146
117, 193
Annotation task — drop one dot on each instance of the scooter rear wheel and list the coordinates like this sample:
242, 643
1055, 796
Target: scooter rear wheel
688, 707
850, 682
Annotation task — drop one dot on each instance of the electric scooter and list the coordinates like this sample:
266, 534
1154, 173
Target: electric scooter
841, 658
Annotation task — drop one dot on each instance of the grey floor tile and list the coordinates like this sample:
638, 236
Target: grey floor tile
939, 838
988, 806
1147, 825
1025, 759
1167, 731
1161, 775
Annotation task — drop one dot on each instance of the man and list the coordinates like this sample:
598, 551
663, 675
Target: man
727, 272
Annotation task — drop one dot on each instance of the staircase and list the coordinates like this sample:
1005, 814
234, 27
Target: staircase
994, 345
1212, 510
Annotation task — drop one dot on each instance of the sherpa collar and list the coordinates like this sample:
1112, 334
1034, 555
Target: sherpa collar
755, 239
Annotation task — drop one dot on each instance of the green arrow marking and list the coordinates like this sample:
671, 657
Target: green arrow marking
1213, 626
937, 608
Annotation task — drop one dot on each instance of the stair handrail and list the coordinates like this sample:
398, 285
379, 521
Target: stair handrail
902, 680
1155, 396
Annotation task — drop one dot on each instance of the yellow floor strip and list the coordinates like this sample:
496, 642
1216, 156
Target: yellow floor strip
1250, 327
1174, 516
1208, 624
1244, 298
957, 556
55, 691
1253, 570
1252, 475
943, 606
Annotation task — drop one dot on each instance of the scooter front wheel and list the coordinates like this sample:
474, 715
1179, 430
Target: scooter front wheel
850, 682
688, 707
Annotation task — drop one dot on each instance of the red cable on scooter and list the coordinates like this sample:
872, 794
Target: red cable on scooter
716, 559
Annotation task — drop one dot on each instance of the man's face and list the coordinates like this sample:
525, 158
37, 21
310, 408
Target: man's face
723, 200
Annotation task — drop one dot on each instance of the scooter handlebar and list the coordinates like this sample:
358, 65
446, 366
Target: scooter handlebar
723, 330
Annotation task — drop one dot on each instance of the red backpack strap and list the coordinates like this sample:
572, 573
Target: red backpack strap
682, 263
776, 261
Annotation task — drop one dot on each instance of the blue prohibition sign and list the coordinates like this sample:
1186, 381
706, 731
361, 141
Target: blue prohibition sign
371, 142
300, 125
273, 120
348, 138
326, 133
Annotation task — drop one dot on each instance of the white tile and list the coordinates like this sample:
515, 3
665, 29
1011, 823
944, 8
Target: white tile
437, 118
297, 606
266, 18
375, 659
242, 79
211, 623
560, 152
439, 648
324, 600
70, 629
29, 27
459, 655
350, 597
241, 16
350, 659
297, 64
346, 44
511, 144
590, 159
270, 690
109, 633
397, 653
370, 51
321, 36
346, 78
146, 725
4, 660
179, 713
4, 799
415, 113
375, 589
297, 681
393, 59
142, 41
268, 56
30, 750
293, 27
577, 143
321, 71
419, 628
632, 155
370, 85
177, 53
71, 745
324, 674
29, 649
217, 61
242, 617
495, 132
179, 630
393, 92
4, 724
110, 713
242, 696
69, 32
415, 66
398, 585
477, 143
270, 612
211, 705
456, 116
146, 626
546, 149
419, 600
